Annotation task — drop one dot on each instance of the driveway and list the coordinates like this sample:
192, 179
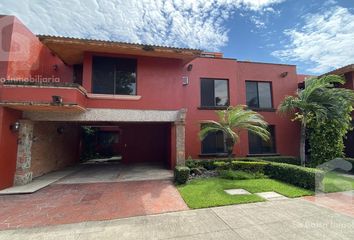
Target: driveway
285, 219
71, 203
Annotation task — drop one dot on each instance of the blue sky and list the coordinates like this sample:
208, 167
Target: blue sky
315, 35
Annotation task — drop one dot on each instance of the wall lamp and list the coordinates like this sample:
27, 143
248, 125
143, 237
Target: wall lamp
15, 127
57, 100
284, 74
55, 67
60, 130
189, 67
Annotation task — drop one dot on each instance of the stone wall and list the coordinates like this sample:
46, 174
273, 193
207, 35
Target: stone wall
52, 149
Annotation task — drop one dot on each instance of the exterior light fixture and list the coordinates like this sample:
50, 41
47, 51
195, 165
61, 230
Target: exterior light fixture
185, 80
190, 67
60, 130
284, 74
55, 67
15, 127
57, 100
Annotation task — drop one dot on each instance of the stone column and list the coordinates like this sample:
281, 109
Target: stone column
23, 174
180, 138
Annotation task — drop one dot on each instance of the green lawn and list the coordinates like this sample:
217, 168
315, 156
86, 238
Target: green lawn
202, 193
333, 182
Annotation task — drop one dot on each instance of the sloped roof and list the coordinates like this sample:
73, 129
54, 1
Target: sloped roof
71, 50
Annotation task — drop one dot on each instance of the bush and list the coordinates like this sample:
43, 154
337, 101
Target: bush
254, 167
239, 175
283, 159
296, 175
181, 174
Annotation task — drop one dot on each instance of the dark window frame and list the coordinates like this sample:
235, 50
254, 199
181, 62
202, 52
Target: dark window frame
274, 143
222, 153
213, 107
117, 57
271, 109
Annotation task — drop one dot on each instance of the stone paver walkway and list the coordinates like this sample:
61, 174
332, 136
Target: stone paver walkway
342, 202
284, 219
71, 203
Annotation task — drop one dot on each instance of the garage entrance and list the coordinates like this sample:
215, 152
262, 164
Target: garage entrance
128, 143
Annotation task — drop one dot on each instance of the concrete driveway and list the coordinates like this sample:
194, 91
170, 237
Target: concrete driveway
285, 219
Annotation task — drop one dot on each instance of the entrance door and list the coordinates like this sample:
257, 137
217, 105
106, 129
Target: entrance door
349, 144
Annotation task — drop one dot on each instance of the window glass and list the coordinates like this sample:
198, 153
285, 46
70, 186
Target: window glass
258, 94
114, 76
265, 95
214, 143
221, 93
214, 93
258, 146
207, 92
252, 94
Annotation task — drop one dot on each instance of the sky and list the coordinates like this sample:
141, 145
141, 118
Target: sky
316, 35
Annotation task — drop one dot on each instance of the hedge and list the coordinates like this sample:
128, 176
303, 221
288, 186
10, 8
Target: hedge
283, 159
209, 163
181, 174
308, 178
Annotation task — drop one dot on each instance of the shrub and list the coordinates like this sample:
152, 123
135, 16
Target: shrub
296, 175
181, 174
283, 159
239, 175
255, 167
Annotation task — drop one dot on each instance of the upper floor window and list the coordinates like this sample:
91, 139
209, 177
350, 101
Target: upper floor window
214, 93
214, 143
259, 95
114, 75
258, 146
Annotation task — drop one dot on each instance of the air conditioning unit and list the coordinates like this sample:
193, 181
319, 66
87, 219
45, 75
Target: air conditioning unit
185, 80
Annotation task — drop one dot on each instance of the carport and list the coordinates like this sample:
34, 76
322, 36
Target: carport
51, 141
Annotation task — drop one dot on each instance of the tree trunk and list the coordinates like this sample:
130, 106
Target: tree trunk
230, 147
303, 145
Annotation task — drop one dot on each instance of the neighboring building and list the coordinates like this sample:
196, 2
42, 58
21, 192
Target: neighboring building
148, 99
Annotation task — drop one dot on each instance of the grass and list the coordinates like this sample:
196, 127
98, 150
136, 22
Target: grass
203, 193
334, 182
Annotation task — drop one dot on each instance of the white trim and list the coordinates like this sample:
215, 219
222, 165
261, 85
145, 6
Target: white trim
113, 97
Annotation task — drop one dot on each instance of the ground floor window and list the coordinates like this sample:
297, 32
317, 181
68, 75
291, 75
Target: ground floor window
214, 143
258, 146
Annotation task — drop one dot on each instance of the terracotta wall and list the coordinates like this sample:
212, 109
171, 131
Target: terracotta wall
8, 146
287, 132
51, 150
29, 58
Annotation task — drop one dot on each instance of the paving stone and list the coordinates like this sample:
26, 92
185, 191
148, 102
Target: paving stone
271, 196
237, 192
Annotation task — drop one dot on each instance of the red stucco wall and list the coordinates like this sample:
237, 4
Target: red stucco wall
287, 132
29, 58
8, 146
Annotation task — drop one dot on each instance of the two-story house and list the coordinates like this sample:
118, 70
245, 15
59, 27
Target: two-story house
149, 99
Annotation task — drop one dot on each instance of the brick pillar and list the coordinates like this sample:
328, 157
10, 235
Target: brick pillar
180, 138
23, 174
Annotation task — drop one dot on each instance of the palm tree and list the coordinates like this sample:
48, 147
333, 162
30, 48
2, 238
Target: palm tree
231, 121
318, 101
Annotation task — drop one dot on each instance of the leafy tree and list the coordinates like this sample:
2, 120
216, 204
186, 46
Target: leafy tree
319, 102
231, 122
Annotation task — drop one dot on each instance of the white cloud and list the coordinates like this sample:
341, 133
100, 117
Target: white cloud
183, 23
326, 40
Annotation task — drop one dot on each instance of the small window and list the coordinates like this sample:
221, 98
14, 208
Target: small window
258, 146
214, 143
214, 93
259, 95
114, 75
